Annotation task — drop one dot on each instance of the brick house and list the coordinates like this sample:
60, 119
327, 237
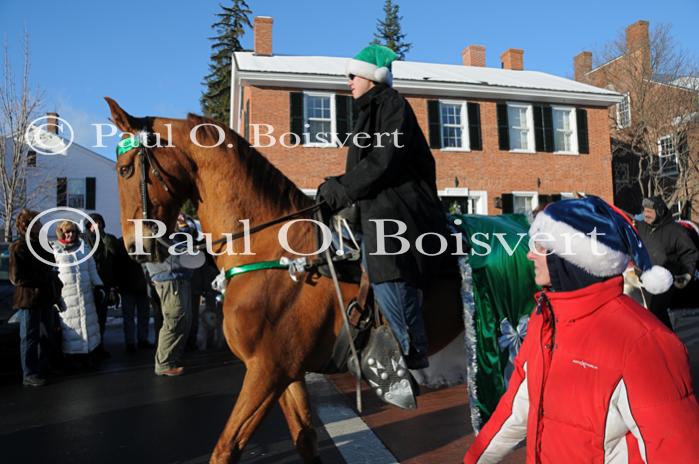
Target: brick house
655, 128
503, 139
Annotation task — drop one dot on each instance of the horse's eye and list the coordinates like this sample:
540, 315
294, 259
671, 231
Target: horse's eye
126, 171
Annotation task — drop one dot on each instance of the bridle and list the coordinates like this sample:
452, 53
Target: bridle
147, 162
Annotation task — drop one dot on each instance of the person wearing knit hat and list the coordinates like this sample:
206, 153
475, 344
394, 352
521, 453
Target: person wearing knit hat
670, 246
598, 377
373, 63
591, 235
392, 179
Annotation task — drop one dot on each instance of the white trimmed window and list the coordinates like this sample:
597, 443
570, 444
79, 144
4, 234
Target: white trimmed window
667, 155
524, 203
464, 201
76, 193
623, 112
565, 137
318, 119
521, 127
478, 202
453, 125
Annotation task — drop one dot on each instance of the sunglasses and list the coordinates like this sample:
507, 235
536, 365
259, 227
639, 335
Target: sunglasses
352, 76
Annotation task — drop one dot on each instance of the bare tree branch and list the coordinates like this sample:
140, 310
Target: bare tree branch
661, 80
18, 107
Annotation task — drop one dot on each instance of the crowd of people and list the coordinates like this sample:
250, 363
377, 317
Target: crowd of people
598, 377
69, 291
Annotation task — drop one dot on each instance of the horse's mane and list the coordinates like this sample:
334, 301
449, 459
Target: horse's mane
267, 181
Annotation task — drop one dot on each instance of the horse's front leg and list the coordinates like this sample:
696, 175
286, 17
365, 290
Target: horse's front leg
261, 388
294, 404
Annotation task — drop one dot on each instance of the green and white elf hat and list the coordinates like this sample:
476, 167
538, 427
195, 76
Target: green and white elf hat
373, 63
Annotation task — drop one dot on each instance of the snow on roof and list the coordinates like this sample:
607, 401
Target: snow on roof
688, 82
417, 71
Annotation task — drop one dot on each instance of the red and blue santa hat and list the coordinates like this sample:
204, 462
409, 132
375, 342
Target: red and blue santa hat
596, 237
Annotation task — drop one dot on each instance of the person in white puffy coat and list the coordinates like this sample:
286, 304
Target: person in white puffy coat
80, 327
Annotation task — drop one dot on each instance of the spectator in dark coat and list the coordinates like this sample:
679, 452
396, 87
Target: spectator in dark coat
106, 256
669, 246
36, 291
133, 287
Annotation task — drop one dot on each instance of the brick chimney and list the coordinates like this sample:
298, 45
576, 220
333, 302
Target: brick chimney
582, 64
474, 55
51, 123
638, 44
262, 30
512, 58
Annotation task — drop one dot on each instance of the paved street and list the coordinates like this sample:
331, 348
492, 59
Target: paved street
124, 413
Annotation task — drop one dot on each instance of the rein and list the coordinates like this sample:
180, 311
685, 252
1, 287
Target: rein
265, 225
292, 265
147, 161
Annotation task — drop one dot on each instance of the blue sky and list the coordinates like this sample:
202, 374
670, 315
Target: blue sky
151, 55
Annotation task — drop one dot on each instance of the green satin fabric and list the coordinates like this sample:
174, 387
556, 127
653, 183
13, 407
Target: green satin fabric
503, 287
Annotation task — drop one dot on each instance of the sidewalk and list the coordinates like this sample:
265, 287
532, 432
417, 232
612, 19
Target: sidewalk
439, 430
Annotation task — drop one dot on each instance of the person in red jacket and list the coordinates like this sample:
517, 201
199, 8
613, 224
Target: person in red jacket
598, 378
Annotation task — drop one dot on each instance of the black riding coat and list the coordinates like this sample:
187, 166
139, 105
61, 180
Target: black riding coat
668, 244
395, 181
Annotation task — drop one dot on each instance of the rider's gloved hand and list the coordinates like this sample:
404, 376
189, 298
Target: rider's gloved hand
334, 194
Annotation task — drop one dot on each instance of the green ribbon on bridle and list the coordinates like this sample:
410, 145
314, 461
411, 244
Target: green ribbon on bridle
127, 144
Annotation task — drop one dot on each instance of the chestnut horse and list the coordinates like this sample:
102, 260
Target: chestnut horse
280, 329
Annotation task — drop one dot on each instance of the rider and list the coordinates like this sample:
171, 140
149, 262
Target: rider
393, 180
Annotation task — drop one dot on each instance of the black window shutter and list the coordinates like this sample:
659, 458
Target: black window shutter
474, 126
682, 148
62, 191
90, 190
246, 121
544, 200
434, 125
343, 115
31, 158
508, 203
547, 113
503, 128
539, 141
296, 113
583, 141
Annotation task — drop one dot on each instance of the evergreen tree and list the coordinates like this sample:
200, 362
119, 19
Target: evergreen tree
230, 28
388, 32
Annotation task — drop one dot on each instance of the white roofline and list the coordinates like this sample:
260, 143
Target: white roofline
604, 64
94, 154
429, 87
85, 149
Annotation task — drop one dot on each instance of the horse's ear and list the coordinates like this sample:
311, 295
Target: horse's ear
123, 120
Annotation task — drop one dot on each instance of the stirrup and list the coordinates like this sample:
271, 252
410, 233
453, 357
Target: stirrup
385, 369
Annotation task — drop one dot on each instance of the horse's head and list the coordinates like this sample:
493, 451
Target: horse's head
155, 178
